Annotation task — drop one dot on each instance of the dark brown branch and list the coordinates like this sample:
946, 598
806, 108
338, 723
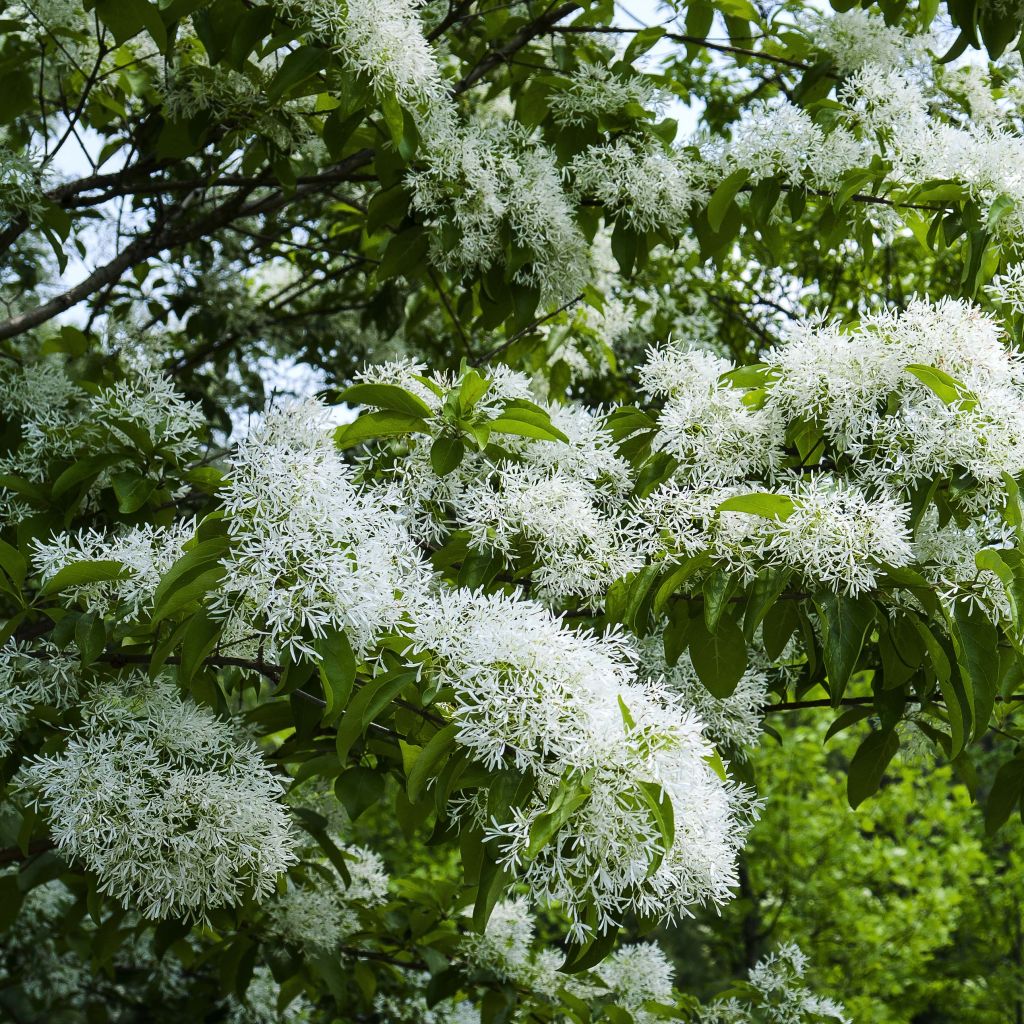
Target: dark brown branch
161, 236
526, 34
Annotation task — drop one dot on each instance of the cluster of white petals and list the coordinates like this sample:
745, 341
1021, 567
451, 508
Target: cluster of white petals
637, 180
778, 995
566, 706
857, 37
31, 675
310, 550
636, 974
707, 424
320, 912
597, 91
145, 553
733, 721
173, 812
481, 177
866, 389
835, 535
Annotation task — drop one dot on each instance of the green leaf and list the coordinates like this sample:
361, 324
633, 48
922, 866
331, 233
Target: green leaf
359, 788
718, 588
389, 397
132, 490
13, 562
79, 573
126, 18
369, 702
572, 793
845, 624
723, 196
1005, 794
91, 637
378, 424
869, 764
949, 389
298, 66
977, 645
527, 420
337, 672
199, 639
764, 504
720, 658
189, 586
446, 454
429, 760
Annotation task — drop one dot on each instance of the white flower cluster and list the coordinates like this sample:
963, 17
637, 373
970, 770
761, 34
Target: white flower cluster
480, 177
32, 675
706, 424
409, 1004
777, 996
734, 722
158, 797
641, 183
560, 502
857, 37
887, 115
145, 553
58, 420
146, 403
636, 974
566, 706
633, 975
782, 139
1008, 288
835, 534
262, 1003
384, 39
318, 914
947, 556
847, 381
596, 91
309, 549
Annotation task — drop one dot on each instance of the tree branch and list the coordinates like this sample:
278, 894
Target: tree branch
544, 24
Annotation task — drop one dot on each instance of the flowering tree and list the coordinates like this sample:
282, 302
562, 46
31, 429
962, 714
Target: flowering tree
667, 378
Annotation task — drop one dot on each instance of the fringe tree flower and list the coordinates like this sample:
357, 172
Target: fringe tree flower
566, 707
310, 550
778, 995
641, 183
706, 424
734, 722
321, 912
157, 796
145, 553
32, 675
857, 37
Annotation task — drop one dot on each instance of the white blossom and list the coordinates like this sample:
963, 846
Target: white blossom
319, 913
566, 706
595, 90
778, 995
158, 797
734, 721
310, 550
644, 185
32, 675
707, 424
144, 552
857, 37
